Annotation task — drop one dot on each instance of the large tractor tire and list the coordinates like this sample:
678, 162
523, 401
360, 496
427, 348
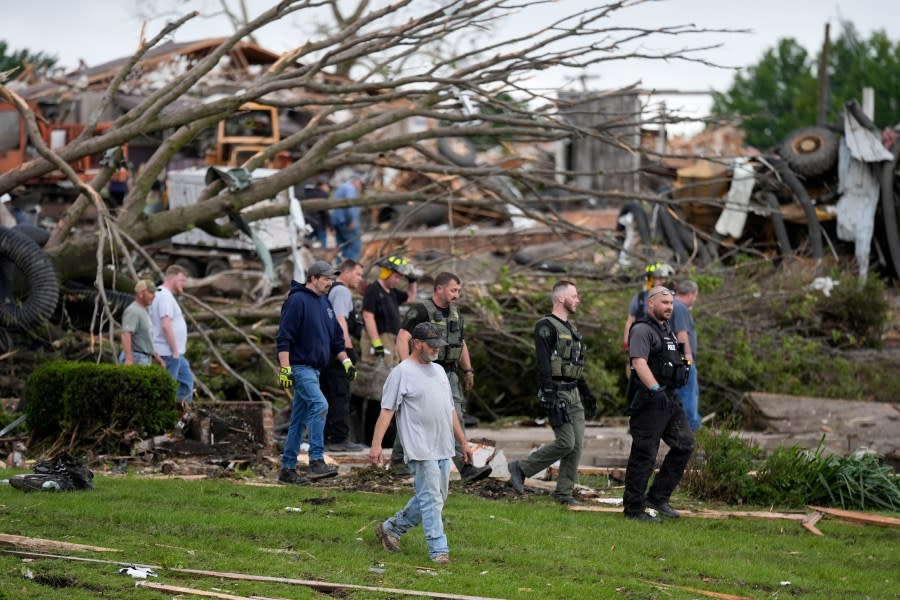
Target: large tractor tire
42, 285
810, 152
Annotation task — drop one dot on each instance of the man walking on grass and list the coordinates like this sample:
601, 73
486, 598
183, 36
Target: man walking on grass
418, 391
308, 336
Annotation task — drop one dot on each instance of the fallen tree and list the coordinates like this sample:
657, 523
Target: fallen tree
361, 122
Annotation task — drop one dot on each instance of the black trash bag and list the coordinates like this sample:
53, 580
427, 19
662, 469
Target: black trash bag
62, 474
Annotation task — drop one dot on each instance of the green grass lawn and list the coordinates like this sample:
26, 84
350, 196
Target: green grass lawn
508, 548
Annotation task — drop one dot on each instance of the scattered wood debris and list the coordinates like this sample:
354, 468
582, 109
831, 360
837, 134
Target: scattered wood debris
20, 541
707, 593
858, 517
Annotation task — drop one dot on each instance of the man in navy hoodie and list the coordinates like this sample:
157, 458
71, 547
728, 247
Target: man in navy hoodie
308, 336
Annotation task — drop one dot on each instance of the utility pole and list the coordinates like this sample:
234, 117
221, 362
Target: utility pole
824, 95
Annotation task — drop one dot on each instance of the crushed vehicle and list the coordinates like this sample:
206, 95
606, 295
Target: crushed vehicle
272, 241
822, 190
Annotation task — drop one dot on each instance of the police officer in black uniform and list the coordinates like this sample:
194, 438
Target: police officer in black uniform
564, 395
658, 368
441, 310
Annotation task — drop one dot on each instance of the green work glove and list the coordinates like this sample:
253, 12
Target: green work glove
286, 378
350, 369
377, 348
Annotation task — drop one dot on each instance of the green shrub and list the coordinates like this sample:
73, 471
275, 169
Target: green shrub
795, 477
87, 397
854, 314
720, 468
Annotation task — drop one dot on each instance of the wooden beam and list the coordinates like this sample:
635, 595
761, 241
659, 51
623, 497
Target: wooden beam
321, 586
195, 592
326, 587
27, 554
858, 517
709, 514
20, 541
706, 593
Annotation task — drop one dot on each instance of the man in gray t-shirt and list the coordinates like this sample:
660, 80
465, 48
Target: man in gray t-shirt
333, 378
418, 391
137, 330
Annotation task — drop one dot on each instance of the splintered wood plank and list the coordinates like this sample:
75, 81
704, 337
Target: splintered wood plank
176, 589
327, 587
809, 523
710, 514
707, 593
858, 517
20, 541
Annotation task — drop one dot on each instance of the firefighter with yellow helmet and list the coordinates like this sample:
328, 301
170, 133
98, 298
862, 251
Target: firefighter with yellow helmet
381, 308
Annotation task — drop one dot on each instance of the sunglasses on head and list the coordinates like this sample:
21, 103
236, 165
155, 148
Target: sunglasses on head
661, 292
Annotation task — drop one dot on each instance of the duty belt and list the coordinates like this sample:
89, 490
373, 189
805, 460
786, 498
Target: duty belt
564, 385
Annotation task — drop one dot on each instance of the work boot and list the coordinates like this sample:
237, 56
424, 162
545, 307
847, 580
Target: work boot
389, 542
319, 470
290, 476
400, 470
663, 508
345, 447
442, 559
470, 473
570, 501
516, 477
642, 516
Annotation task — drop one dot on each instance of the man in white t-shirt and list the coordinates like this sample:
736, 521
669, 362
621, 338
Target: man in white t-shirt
170, 332
418, 391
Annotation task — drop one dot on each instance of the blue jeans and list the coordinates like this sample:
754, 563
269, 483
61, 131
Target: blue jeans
137, 358
689, 395
180, 370
349, 244
431, 479
308, 410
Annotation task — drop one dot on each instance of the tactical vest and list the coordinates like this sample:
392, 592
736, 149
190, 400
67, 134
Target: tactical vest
567, 357
451, 328
354, 322
667, 364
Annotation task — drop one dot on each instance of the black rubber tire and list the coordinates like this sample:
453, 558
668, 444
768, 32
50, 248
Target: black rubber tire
812, 221
215, 266
190, 265
42, 293
79, 299
810, 151
781, 234
634, 208
888, 208
670, 231
693, 245
458, 150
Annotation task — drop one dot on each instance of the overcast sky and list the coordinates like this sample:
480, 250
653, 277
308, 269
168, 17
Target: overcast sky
101, 30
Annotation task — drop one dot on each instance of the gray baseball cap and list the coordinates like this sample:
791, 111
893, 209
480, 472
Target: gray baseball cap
321, 268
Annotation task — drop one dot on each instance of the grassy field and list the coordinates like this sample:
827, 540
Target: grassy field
501, 548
